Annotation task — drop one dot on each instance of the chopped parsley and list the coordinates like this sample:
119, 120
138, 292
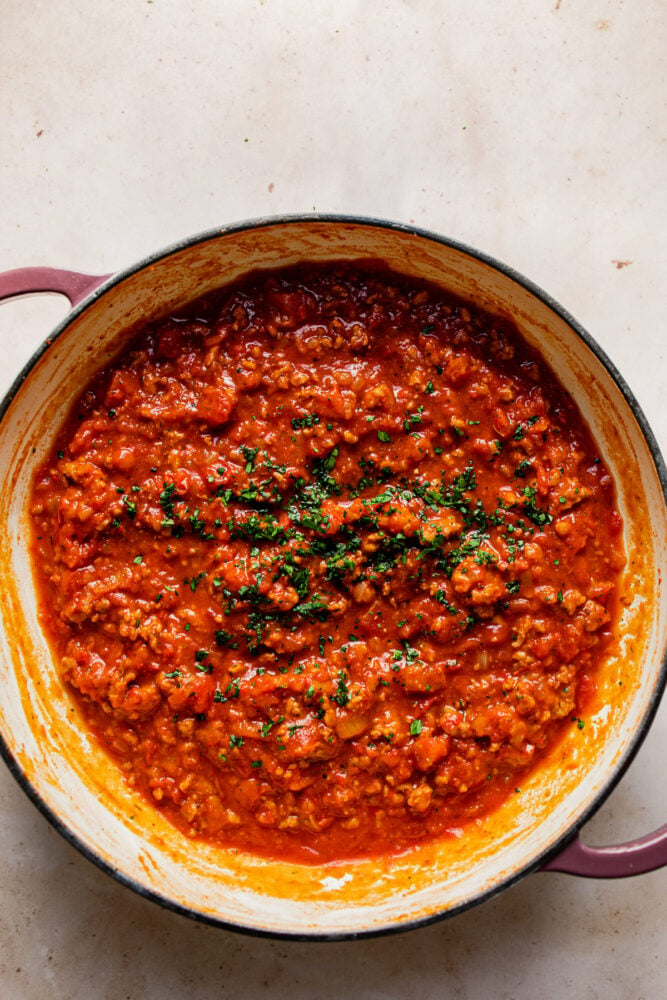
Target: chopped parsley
341, 695
531, 510
225, 639
249, 455
311, 420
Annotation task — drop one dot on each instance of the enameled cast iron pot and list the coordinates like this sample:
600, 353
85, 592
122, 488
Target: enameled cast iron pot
80, 790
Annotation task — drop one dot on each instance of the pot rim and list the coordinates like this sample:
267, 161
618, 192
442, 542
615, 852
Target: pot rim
638, 736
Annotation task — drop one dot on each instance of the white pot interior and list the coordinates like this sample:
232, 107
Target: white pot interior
75, 781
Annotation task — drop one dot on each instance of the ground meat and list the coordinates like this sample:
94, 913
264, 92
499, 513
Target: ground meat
329, 560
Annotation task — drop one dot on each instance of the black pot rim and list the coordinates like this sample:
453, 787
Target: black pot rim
640, 733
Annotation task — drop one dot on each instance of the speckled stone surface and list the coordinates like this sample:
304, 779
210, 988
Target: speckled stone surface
534, 131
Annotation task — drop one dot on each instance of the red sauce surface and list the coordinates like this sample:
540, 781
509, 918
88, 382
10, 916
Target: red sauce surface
328, 561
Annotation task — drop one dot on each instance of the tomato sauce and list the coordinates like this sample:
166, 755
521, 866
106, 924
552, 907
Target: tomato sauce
328, 561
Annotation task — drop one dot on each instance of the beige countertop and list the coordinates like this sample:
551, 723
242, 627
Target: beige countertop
535, 131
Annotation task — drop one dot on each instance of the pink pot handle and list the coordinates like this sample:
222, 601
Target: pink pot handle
25, 280
634, 858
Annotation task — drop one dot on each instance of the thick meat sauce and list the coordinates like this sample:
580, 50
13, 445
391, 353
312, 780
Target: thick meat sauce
328, 560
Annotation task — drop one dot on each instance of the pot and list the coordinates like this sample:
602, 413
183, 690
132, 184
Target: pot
81, 792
